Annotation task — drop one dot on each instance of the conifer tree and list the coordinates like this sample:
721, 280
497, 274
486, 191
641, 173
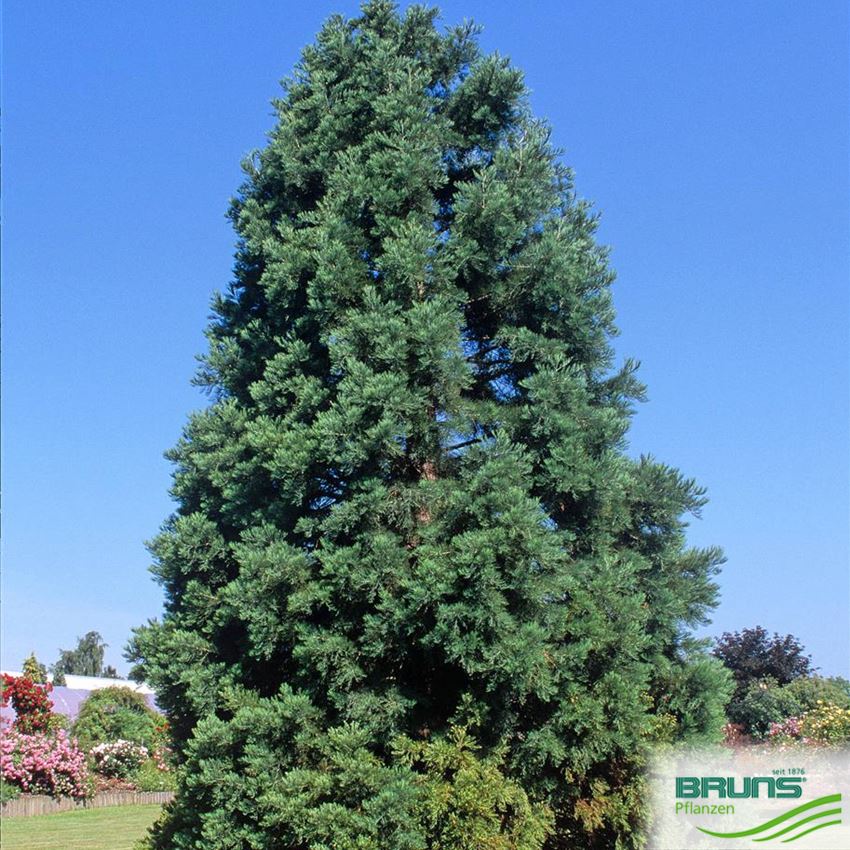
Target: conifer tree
34, 670
408, 509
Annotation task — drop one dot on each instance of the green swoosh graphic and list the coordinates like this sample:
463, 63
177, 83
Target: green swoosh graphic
819, 826
830, 798
809, 819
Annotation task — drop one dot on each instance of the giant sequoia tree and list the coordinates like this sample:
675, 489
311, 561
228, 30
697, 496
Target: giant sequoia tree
408, 510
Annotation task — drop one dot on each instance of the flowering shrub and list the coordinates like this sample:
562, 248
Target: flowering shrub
788, 731
162, 758
826, 724
33, 707
118, 758
43, 764
734, 735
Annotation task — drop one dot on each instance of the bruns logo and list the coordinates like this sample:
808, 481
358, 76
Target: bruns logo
749, 798
730, 787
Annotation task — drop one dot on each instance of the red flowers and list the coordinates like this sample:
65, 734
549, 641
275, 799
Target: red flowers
31, 702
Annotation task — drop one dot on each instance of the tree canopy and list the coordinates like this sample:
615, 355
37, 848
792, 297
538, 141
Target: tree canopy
774, 679
86, 659
408, 512
753, 654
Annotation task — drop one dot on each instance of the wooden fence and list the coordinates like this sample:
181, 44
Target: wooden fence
41, 804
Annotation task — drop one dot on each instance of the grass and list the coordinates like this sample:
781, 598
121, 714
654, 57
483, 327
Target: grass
110, 828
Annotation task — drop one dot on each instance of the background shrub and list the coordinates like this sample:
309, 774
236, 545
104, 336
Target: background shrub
765, 703
762, 703
149, 777
8, 791
117, 714
808, 693
826, 724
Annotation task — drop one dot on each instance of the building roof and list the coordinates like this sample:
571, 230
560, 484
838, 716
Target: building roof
91, 683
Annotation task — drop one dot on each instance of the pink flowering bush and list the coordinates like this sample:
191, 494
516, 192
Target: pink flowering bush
162, 757
824, 725
43, 763
788, 731
118, 758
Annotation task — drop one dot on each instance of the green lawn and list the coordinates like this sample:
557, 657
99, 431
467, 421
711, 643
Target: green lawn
111, 828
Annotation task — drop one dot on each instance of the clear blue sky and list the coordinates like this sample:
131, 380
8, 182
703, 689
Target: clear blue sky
713, 137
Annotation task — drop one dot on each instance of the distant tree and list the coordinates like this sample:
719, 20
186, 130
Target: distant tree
34, 670
773, 678
109, 672
753, 654
85, 660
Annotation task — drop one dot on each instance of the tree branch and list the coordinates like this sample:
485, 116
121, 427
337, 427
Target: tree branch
464, 444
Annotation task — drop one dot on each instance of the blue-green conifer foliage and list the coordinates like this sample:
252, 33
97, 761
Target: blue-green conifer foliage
408, 508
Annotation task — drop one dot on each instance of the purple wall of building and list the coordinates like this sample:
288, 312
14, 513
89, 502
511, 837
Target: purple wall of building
67, 701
